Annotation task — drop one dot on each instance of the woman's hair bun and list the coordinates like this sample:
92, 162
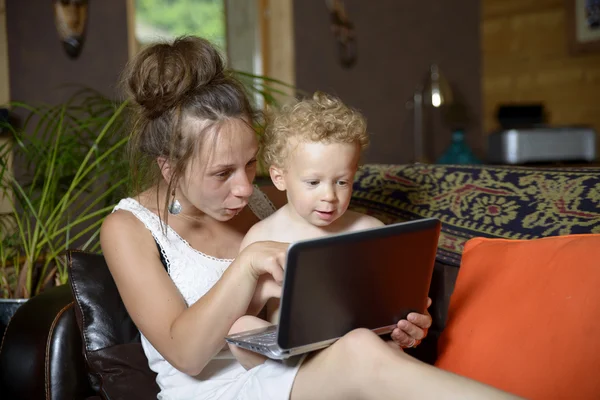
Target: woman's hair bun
162, 75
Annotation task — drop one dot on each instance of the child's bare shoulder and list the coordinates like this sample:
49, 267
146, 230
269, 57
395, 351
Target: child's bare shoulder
357, 221
266, 229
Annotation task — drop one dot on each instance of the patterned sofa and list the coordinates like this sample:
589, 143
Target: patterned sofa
471, 201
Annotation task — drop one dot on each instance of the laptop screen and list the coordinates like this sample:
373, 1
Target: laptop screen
369, 279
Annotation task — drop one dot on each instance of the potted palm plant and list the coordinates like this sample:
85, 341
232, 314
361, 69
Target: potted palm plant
69, 171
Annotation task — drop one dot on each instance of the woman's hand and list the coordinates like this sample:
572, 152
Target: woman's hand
413, 329
261, 258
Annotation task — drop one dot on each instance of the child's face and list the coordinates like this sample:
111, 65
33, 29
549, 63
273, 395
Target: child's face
319, 178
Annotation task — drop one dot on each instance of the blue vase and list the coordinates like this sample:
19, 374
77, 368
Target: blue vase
459, 151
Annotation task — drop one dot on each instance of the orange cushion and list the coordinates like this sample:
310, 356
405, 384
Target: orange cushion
525, 317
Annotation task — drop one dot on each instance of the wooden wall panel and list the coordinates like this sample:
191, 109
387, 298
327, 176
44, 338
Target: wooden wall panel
277, 34
526, 58
280, 60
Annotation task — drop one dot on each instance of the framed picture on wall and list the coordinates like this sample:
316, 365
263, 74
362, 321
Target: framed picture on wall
583, 23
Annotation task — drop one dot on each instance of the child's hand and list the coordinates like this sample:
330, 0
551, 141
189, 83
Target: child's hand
266, 288
413, 329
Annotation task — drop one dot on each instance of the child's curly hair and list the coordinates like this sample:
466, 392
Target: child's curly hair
324, 118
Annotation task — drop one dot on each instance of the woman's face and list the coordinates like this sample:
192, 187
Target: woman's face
218, 181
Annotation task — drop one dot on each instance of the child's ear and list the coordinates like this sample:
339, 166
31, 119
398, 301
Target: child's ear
165, 168
277, 177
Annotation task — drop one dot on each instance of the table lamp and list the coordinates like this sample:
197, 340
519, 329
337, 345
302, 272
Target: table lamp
434, 91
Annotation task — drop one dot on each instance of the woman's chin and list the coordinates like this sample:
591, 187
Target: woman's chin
222, 217
227, 214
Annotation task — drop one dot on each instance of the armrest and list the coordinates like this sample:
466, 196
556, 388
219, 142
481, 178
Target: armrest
41, 353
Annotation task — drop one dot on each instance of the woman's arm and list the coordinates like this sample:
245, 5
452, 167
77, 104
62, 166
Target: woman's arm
187, 337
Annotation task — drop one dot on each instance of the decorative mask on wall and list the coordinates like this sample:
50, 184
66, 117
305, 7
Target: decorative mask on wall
343, 31
70, 17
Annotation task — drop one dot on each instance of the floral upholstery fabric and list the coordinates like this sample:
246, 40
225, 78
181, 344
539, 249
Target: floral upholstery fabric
509, 202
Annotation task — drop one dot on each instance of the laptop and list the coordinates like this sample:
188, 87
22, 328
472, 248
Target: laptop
364, 279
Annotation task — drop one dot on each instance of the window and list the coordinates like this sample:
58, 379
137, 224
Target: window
232, 25
256, 36
159, 20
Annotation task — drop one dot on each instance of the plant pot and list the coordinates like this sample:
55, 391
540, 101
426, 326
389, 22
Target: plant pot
8, 307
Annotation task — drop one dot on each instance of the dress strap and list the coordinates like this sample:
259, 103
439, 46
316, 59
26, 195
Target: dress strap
162, 234
163, 260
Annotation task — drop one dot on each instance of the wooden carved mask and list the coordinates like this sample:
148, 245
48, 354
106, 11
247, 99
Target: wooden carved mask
343, 31
70, 17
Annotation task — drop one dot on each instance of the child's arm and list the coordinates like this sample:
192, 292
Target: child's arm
273, 310
266, 287
252, 236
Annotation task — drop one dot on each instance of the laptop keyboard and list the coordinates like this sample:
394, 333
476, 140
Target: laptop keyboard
262, 339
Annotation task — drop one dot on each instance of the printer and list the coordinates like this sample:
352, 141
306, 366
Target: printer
525, 138
542, 145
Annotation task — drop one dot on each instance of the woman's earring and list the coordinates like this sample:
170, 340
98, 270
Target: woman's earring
175, 206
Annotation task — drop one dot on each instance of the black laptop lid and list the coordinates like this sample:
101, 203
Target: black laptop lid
369, 279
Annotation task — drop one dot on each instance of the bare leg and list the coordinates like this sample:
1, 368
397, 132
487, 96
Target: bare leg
247, 358
362, 366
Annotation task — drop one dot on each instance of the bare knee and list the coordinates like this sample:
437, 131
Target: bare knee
360, 335
358, 346
366, 352
247, 358
360, 339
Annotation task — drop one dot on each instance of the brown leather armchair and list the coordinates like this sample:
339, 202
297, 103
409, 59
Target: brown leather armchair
75, 342
41, 356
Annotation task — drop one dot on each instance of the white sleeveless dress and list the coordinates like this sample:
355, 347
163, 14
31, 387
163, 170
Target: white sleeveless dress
194, 273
